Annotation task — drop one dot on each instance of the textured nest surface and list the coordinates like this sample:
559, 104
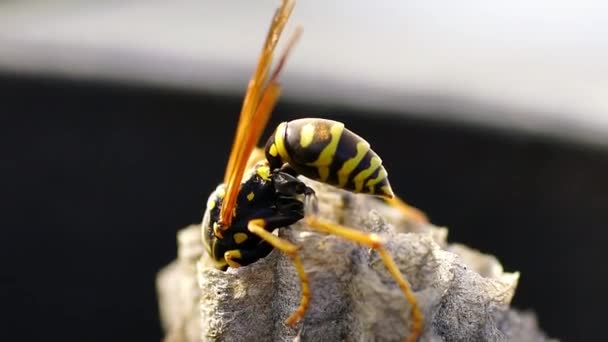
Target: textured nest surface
464, 295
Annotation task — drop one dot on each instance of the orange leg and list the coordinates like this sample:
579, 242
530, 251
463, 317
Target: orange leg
374, 241
407, 210
257, 227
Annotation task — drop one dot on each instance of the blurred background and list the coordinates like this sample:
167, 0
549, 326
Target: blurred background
117, 118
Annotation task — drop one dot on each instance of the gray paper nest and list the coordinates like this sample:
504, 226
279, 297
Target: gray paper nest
464, 295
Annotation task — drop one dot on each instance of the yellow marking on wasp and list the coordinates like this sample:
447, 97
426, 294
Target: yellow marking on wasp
279, 141
263, 172
307, 134
239, 238
361, 176
229, 256
250, 196
327, 155
211, 203
273, 150
252, 171
217, 231
220, 192
256, 156
351, 164
370, 183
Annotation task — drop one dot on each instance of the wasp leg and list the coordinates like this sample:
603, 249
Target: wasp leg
232, 256
408, 210
243, 257
374, 241
258, 227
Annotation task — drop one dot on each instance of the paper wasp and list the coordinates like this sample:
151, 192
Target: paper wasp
254, 200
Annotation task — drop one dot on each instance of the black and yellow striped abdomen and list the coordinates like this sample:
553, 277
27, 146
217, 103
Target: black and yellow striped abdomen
326, 151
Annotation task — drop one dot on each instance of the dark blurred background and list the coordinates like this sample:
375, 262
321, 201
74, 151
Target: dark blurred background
98, 178
114, 130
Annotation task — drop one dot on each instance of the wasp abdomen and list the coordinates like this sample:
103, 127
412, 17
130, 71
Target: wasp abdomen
326, 151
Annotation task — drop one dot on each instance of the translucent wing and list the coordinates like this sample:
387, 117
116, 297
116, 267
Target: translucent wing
259, 101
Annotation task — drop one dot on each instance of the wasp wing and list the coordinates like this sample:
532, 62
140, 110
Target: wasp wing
260, 98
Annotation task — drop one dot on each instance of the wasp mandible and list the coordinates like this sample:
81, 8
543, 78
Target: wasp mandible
254, 200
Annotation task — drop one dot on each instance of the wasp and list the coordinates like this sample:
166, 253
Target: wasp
256, 199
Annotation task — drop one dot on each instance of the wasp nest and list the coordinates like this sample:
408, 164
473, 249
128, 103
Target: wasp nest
464, 295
